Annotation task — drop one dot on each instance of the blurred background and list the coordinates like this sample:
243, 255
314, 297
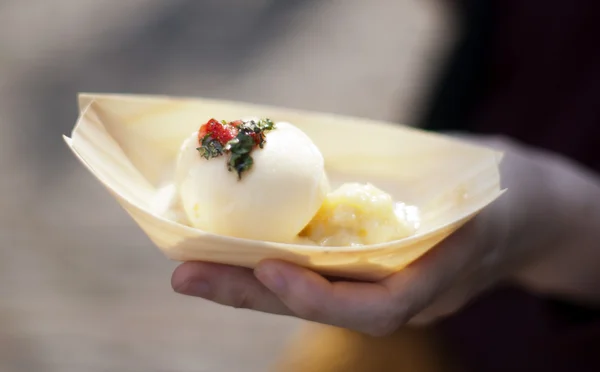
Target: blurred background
81, 287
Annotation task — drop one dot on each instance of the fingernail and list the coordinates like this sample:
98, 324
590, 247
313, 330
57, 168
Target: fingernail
271, 278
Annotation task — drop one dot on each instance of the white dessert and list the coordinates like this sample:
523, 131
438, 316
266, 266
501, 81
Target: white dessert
273, 201
284, 196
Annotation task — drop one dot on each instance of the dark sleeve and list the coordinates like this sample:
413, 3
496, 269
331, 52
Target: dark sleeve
461, 79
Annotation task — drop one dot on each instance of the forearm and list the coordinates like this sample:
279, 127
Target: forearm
550, 240
569, 261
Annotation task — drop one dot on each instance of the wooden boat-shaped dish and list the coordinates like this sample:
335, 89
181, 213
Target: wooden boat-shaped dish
129, 143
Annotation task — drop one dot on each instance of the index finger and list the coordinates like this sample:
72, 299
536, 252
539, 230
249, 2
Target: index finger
374, 308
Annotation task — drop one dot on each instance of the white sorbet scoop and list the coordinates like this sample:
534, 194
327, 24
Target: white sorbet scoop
273, 201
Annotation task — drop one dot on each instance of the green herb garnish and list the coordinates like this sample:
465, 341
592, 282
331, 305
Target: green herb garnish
216, 142
210, 147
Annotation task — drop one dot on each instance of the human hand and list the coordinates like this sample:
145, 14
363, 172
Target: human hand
522, 237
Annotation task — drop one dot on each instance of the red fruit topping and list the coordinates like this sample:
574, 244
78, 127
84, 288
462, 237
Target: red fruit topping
224, 134
215, 140
218, 131
209, 127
